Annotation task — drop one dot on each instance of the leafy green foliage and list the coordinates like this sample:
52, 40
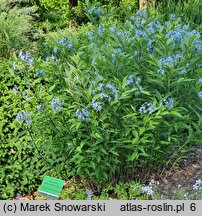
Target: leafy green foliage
55, 5
114, 103
189, 10
21, 168
121, 191
73, 191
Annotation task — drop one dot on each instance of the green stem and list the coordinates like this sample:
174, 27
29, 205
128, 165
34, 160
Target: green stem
41, 154
37, 147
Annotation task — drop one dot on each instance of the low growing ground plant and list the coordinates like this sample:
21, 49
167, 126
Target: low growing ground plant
180, 193
21, 167
119, 102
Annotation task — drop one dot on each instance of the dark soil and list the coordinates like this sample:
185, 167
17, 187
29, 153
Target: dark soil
184, 175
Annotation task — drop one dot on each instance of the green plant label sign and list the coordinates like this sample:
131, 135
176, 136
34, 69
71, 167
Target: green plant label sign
51, 187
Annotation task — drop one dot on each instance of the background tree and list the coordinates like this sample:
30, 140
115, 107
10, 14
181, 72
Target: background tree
143, 4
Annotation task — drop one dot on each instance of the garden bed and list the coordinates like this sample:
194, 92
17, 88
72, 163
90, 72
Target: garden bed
106, 106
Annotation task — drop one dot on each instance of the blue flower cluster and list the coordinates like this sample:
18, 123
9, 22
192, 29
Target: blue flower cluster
117, 52
173, 17
140, 22
180, 33
140, 29
153, 27
171, 60
104, 95
147, 108
200, 94
95, 11
90, 35
15, 90
55, 49
141, 13
93, 62
83, 114
150, 48
140, 33
107, 91
97, 106
122, 34
148, 190
89, 193
57, 104
112, 28
26, 57
139, 89
168, 102
14, 66
161, 72
40, 107
39, 73
132, 81
167, 61
197, 184
143, 30
24, 116
182, 72
51, 58
140, 18
197, 45
101, 30
64, 42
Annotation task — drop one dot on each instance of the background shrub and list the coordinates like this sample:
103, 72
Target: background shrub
22, 168
57, 15
16, 27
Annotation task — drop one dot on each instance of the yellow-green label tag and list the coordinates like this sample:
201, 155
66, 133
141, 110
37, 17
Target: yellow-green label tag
51, 187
